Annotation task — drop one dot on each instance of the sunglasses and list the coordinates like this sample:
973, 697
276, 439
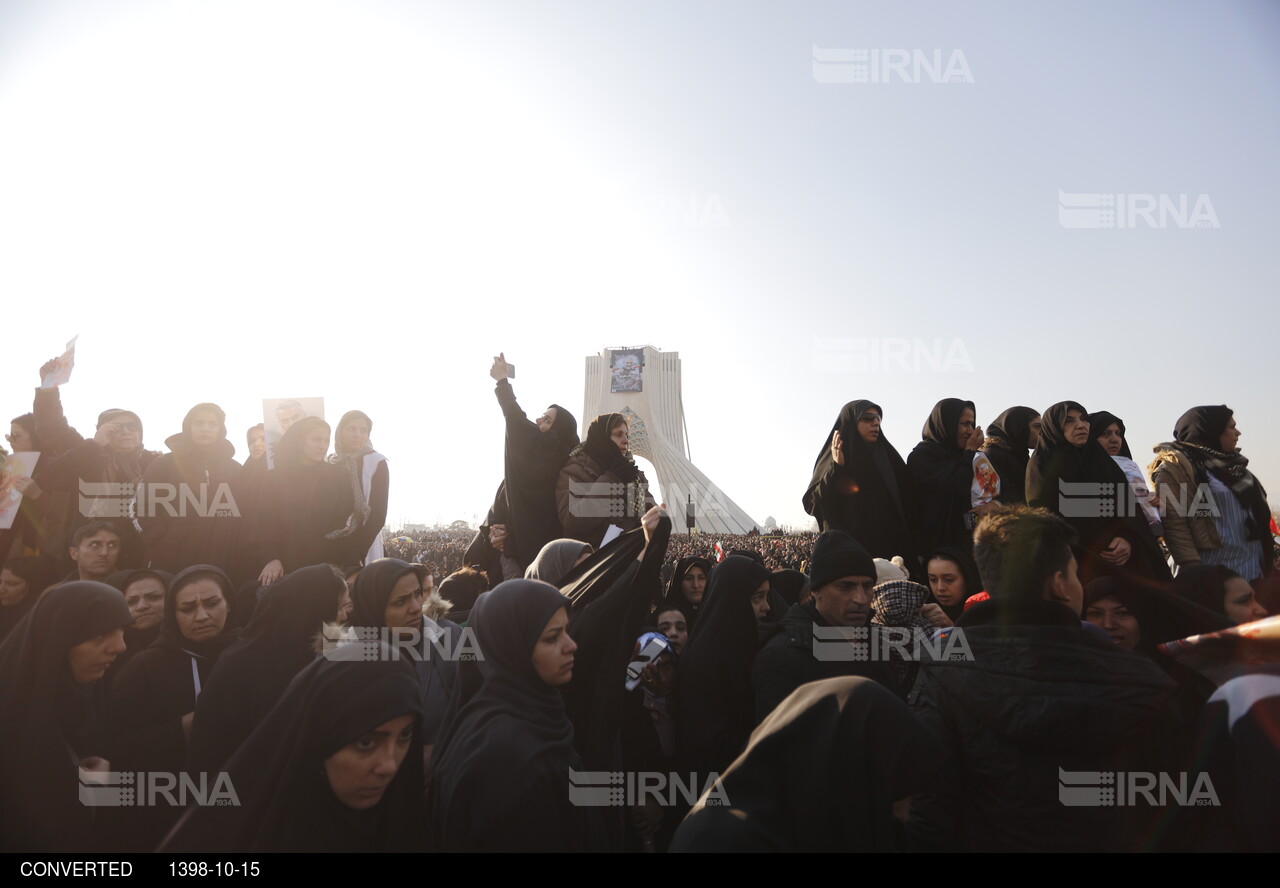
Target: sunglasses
129, 426
869, 417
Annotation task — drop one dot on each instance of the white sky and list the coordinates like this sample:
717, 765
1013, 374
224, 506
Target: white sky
367, 200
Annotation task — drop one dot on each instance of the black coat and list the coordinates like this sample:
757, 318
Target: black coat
1039, 696
299, 506
942, 472
252, 674
206, 533
715, 710
788, 661
532, 461
1055, 462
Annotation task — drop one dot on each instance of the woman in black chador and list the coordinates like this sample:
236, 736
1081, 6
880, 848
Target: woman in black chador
500, 773
860, 484
335, 767
51, 666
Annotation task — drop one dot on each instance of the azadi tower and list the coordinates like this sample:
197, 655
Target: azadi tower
643, 384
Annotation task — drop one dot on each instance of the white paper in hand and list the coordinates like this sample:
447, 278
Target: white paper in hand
61, 372
610, 535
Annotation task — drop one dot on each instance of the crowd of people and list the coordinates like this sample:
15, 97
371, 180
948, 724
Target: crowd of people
961, 644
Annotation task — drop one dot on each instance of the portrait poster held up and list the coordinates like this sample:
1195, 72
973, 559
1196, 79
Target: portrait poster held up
16, 466
278, 414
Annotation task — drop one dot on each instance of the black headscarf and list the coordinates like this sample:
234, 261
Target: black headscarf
1198, 435
1162, 615
869, 497
137, 639
286, 803
1057, 460
253, 673
715, 704
373, 590
170, 633
500, 771
968, 570
219, 448
792, 585
598, 445
288, 450
1007, 444
50, 723
942, 471
675, 588
1204, 585
531, 460
821, 773
1099, 422
564, 429
39, 572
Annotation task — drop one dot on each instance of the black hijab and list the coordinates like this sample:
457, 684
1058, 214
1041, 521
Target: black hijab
500, 770
598, 445
821, 773
278, 774
171, 635
792, 585
532, 460
288, 450
869, 497
715, 704
1007, 445
1057, 461
373, 590
675, 587
564, 430
253, 673
942, 471
137, 639
50, 723
968, 570
1100, 421
1204, 585
39, 572
1162, 615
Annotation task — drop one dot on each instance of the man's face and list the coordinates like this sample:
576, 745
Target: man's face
145, 598
1065, 588
126, 435
288, 416
205, 428
96, 555
846, 601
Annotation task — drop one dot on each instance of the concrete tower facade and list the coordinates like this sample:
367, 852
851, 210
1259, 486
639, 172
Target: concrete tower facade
643, 384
